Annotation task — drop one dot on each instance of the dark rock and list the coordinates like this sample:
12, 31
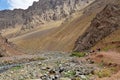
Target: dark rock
61, 69
106, 22
52, 71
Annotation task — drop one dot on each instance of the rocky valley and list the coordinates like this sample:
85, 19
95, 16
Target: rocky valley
61, 40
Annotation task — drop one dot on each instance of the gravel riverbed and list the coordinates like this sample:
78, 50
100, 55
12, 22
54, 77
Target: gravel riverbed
55, 66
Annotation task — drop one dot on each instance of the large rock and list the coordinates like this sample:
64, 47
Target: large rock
104, 24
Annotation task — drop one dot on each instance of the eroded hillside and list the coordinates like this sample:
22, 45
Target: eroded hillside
7, 48
63, 37
39, 13
103, 25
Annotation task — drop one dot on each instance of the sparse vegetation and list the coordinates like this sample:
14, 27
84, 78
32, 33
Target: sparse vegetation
104, 73
37, 58
101, 64
107, 48
78, 54
17, 67
69, 73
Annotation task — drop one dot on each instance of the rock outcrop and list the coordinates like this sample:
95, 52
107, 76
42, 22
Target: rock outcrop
41, 12
104, 24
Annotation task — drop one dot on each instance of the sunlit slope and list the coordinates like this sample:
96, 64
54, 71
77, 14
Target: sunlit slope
58, 39
63, 37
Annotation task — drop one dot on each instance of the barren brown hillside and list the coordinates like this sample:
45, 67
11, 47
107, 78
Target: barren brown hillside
64, 37
7, 49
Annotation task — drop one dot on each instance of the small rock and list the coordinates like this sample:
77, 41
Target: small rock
83, 77
43, 68
65, 79
52, 71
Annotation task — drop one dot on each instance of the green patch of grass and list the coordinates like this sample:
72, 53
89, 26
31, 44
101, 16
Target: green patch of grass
107, 48
69, 73
37, 58
17, 67
104, 73
78, 54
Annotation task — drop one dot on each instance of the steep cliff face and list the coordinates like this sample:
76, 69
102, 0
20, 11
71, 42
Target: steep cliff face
41, 12
104, 24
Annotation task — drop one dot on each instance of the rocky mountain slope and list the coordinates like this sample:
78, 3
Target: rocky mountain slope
41, 12
103, 25
63, 37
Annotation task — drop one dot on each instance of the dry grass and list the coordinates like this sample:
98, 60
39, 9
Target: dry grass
41, 28
109, 63
104, 73
10, 31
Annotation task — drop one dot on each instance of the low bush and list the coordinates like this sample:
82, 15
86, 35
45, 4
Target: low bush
78, 54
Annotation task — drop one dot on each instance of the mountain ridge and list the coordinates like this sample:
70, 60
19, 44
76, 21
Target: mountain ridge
40, 12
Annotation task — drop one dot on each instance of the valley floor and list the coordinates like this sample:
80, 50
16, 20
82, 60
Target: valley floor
61, 66
56, 65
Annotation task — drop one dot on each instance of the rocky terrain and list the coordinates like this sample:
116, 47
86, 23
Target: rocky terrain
63, 38
88, 22
103, 25
55, 66
7, 48
40, 12
63, 66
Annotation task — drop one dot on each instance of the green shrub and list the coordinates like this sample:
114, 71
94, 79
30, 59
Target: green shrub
78, 54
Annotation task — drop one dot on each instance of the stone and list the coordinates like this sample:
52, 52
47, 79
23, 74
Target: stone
61, 69
52, 71
65, 79
83, 77
43, 68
